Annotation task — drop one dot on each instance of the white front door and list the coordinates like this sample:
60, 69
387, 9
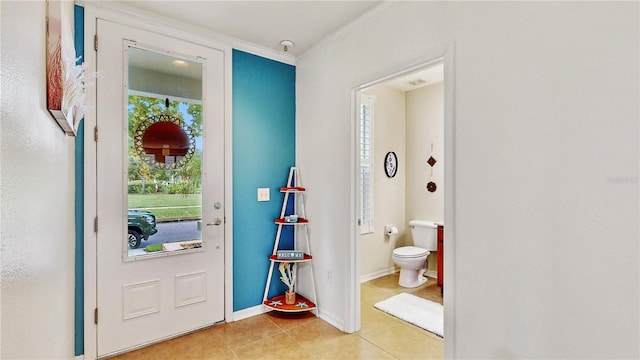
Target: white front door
160, 192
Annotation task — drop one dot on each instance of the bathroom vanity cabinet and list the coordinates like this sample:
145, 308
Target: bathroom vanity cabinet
299, 255
441, 257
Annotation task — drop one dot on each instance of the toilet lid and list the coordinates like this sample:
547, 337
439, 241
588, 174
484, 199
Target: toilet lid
410, 252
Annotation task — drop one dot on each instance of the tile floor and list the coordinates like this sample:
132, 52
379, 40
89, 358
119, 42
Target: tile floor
303, 336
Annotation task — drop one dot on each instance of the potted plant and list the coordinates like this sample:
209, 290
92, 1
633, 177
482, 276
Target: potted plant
288, 278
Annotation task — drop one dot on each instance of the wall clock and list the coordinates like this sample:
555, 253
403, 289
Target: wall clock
391, 164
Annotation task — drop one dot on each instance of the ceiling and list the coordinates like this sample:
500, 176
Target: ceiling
264, 23
417, 79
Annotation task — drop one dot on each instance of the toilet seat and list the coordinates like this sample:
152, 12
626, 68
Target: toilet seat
408, 252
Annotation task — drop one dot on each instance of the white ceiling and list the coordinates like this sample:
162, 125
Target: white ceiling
265, 23
418, 79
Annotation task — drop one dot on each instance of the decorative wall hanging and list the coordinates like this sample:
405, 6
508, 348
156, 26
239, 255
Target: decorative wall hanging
65, 79
391, 164
431, 186
164, 142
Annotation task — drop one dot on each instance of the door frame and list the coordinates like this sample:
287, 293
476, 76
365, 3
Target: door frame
92, 13
440, 54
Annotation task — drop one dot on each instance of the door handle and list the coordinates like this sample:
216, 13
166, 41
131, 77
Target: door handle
217, 221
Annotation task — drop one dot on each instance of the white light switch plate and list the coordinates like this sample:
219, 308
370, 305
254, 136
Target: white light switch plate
263, 194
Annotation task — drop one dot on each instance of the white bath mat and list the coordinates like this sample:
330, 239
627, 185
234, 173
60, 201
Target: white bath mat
418, 311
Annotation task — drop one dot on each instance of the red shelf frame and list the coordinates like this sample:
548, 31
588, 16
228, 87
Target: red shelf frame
292, 189
300, 221
289, 308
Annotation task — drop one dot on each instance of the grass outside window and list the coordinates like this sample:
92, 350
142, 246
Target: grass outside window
167, 207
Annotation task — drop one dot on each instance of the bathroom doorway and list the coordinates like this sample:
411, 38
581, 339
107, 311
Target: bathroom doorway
401, 120
412, 119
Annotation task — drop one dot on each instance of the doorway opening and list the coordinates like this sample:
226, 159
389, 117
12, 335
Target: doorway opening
418, 130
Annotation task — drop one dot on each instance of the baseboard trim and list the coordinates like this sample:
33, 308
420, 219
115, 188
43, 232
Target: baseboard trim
389, 271
332, 319
247, 313
377, 274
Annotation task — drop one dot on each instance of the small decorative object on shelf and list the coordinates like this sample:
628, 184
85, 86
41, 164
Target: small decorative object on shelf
288, 278
289, 255
289, 259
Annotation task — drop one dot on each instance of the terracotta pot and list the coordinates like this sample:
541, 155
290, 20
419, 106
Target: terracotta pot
290, 297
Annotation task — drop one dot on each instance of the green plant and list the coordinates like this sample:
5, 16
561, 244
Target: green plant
134, 187
153, 248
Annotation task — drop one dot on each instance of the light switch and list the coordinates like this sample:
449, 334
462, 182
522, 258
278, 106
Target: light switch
263, 194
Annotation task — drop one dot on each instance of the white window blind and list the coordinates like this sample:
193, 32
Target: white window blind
366, 164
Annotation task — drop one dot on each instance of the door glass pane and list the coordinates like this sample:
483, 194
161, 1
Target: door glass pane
164, 154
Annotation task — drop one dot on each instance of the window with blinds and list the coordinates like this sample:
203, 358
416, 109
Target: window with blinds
366, 164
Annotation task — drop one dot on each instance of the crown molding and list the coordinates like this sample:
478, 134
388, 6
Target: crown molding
125, 14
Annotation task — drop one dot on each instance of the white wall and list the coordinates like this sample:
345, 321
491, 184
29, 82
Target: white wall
37, 198
425, 138
546, 168
389, 193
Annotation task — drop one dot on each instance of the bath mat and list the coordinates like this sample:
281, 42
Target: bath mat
421, 312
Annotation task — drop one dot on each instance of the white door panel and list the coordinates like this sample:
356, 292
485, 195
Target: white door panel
146, 298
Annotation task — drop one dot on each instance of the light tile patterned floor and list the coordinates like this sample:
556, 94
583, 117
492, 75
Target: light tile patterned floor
303, 336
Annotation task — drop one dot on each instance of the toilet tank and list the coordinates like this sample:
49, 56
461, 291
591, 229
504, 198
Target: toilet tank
425, 234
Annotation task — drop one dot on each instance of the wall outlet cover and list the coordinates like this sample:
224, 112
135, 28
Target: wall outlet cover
263, 194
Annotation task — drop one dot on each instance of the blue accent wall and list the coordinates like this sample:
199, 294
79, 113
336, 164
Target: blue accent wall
78, 18
263, 150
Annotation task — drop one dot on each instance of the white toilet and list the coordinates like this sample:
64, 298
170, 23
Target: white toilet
412, 259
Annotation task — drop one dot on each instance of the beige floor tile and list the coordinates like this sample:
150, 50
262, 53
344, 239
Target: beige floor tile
277, 335
370, 295
183, 351
280, 346
389, 282
204, 344
147, 353
430, 292
372, 319
317, 336
404, 342
354, 348
286, 321
225, 355
249, 330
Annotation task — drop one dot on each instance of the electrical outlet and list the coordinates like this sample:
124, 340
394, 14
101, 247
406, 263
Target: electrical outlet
263, 194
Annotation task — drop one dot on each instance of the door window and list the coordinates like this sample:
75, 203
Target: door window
164, 153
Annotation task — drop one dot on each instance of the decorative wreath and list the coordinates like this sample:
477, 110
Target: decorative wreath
139, 146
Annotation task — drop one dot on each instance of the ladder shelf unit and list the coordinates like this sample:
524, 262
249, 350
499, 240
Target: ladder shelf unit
299, 222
